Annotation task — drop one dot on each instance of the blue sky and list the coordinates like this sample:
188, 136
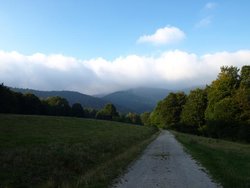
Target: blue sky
111, 29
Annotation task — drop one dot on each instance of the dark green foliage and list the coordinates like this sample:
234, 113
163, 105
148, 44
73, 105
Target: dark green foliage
133, 118
168, 111
31, 104
224, 123
245, 76
243, 94
222, 110
77, 110
244, 132
58, 106
224, 86
12, 102
90, 113
193, 111
111, 110
226, 112
145, 118
8, 101
108, 112
242, 97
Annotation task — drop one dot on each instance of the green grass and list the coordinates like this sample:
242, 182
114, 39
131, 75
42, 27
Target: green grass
227, 162
40, 151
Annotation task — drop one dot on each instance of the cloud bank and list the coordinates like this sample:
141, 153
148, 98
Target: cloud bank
172, 69
166, 35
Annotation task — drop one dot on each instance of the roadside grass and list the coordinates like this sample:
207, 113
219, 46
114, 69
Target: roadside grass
227, 162
42, 151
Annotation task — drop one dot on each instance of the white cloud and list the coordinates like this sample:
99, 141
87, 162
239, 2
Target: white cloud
172, 69
204, 22
166, 35
207, 9
210, 5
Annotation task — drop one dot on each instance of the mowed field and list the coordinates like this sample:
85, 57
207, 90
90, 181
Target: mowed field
41, 151
227, 162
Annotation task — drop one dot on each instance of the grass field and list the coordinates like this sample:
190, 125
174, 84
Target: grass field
40, 151
227, 162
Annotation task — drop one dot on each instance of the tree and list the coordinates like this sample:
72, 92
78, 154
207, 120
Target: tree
245, 76
193, 113
8, 101
224, 86
110, 109
90, 113
225, 119
222, 113
133, 118
226, 110
58, 106
145, 118
77, 110
31, 104
167, 112
108, 112
242, 98
243, 94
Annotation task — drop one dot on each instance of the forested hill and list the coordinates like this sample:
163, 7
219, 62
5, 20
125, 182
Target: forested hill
138, 99
72, 97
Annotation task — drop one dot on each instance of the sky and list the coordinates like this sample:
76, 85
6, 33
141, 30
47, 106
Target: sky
97, 46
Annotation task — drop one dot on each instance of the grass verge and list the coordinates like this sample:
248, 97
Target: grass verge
227, 162
40, 151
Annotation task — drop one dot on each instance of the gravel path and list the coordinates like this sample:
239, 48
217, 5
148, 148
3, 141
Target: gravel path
165, 164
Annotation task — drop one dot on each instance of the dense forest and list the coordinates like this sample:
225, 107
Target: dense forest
30, 104
220, 110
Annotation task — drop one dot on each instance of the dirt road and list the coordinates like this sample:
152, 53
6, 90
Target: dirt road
165, 164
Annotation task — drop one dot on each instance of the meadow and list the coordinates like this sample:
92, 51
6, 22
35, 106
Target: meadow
46, 151
227, 162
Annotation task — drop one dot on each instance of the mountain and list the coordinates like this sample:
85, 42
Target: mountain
73, 97
153, 94
139, 100
187, 90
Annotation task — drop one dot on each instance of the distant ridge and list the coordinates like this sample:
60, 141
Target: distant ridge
136, 100
73, 97
139, 99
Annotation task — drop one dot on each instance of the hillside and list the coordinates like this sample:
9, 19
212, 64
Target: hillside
139, 99
45, 151
86, 101
73, 97
136, 100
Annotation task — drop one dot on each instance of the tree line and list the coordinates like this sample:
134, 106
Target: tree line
30, 104
220, 110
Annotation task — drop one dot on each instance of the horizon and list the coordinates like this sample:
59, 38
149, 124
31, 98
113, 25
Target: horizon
103, 47
104, 94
